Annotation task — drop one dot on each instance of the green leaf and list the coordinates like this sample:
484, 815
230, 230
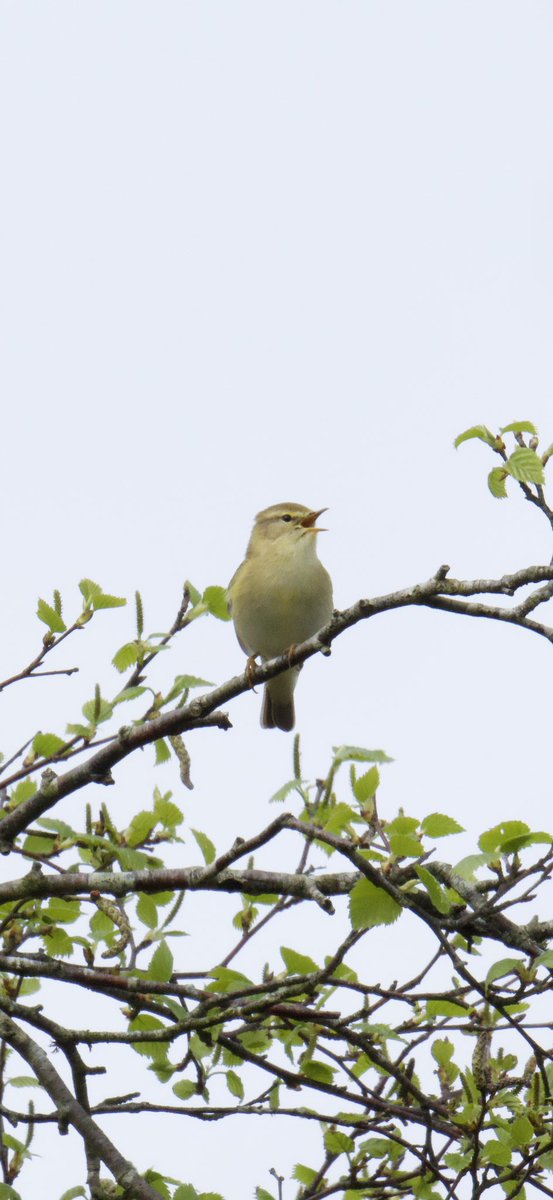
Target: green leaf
505, 966
446, 1008
226, 980
437, 894
62, 911
130, 693
146, 911
106, 601
261, 1194
61, 827
217, 603
95, 597
186, 1192
9, 1193
442, 1051
525, 466
405, 845
185, 1088
235, 1085
477, 431
126, 656
161, 965
58, 943
183, 683
167, 813
493, 839
23, 791
293, 785
140, 828
520, 427
344, 754
97, 714
206, 846
163, 752
521, 1132
496, 482
437, 825
145, 1023
50, 617
496, 1152
365, 787
73, 1193
24, 1081
318, 1071
297, 964
47, 744
370, 905
337, 1142
304, 1174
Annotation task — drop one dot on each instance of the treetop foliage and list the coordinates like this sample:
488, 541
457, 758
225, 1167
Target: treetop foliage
431, 1085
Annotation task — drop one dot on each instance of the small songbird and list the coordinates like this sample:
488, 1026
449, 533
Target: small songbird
280, 596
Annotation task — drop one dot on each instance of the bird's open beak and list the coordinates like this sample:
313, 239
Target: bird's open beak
308, 522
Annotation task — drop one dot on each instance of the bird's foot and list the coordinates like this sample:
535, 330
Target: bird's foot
250, 671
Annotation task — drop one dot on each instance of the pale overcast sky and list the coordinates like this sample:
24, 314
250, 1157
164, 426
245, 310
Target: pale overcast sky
261, 251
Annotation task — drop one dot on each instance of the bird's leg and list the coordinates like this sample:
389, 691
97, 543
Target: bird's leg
250, 671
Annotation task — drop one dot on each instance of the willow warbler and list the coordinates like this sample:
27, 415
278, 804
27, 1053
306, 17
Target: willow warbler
280, 596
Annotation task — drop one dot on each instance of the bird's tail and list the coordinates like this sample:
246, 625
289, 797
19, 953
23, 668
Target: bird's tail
278, 701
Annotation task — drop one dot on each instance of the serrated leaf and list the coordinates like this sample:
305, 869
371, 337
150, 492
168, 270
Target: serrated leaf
227, 980
366, 785
163, 752
97, 714
50, 617
476, 431
405, 845
318, 1071
297, 964
186, 1192
140, 828
520, 427
183, 683
145, 1023
437, 825
293, 785
58, 943
206, 846
525, 466
161, 965
493, 839
185, 1088
45, 745
23, 791
126, 657
438, 896
63, 912
359, 754
130, 693
217, 603
303, 1174
235, 1085
337, 1142
370, 905
261, 1194
168, 814
106, 601
496, 483
146, 911
496, 1152
61, 827
89, 590
521, 1132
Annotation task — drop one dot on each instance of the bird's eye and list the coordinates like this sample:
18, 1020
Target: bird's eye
287, 517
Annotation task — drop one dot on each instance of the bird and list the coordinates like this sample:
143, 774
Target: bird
280, 596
